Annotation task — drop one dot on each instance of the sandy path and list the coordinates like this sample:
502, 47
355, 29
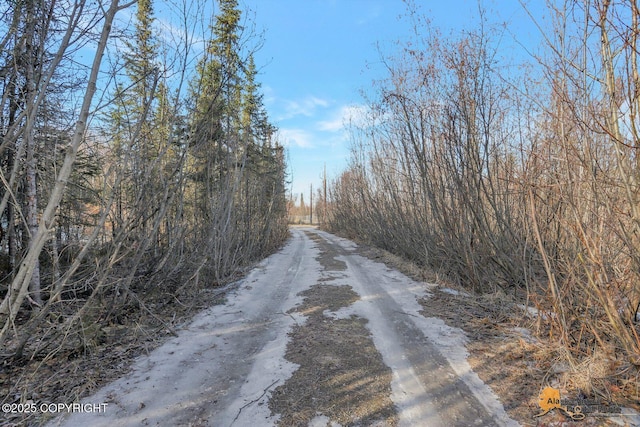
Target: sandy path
222, 368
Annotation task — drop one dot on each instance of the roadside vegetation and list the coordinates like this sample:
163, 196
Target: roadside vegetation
518, 180
139, 170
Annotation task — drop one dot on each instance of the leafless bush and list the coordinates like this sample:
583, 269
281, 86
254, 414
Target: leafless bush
145, 198
532, 189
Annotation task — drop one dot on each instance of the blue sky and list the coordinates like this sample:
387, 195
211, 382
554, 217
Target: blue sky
319, 54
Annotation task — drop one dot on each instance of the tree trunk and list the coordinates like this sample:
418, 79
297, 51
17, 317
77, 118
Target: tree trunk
19, 286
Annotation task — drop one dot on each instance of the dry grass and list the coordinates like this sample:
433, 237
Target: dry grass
73, 370
349, 387
510, 358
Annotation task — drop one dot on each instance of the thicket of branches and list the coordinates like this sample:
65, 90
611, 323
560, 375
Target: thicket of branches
524, 182
151, 171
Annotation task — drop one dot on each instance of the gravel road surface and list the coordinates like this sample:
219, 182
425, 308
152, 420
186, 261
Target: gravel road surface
315, 335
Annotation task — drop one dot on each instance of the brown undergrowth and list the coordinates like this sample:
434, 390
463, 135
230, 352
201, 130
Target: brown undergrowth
516, 363
99, 349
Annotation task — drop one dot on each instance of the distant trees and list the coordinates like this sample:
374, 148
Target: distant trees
237, 171
148, 188
505, 184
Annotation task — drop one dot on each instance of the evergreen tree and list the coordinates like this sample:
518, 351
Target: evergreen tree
233, 164
215, 122
134, 136
139, 60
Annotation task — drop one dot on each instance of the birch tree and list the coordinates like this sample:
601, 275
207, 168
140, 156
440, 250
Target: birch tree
19, 287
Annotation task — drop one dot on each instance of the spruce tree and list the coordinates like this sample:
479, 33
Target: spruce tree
216, 97
136, 145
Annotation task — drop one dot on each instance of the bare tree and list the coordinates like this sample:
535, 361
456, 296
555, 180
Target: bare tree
19, 287
500, 184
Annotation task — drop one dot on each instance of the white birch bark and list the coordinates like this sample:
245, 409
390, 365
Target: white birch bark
20, 285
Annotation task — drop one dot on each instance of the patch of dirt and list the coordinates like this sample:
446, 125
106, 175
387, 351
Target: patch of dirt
503, 352
341, 374
326, 260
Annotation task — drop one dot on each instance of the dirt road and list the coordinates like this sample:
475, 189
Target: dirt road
315, 335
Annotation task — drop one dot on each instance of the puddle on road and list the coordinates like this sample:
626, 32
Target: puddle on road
341, 376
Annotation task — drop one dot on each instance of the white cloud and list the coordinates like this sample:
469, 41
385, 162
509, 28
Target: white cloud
333, 125
269, 95
342, 117
304, 107
295, 137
